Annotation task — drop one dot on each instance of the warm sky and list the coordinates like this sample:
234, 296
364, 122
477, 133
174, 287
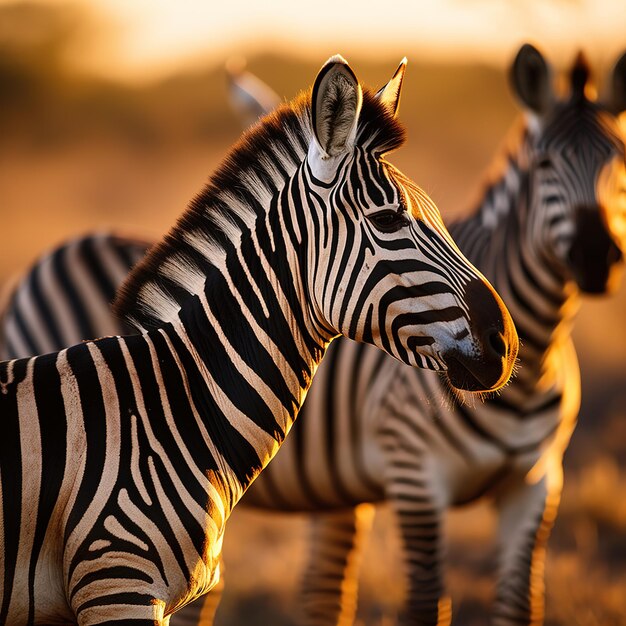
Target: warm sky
152, 36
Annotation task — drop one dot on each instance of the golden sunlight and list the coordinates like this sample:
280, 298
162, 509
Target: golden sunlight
114, 113
152, 37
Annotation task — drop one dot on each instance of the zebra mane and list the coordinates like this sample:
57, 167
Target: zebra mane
237, 193
502, 176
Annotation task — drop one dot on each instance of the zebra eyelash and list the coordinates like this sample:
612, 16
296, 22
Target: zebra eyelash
389, 221
544, 163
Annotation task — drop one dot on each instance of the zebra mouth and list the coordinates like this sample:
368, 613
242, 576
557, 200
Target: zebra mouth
462, 377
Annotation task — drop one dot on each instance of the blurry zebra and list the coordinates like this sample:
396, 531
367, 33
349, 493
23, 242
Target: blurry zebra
65, 297
122, 458
551, 226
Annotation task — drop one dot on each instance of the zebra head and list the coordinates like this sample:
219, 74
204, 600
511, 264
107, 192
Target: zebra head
577, 172
383, 268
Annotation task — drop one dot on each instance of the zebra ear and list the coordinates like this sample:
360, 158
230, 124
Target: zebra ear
618, 86
336, 103
390, 93
531, 79
249, 95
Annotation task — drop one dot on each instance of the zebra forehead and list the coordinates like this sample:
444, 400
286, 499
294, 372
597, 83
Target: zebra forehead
581, 123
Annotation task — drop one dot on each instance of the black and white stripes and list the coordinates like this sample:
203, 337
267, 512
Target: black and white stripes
373, 430
66, 297
126, 455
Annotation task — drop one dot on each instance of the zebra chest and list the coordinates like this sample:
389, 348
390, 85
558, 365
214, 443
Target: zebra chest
464, 480
486, 475
491, 443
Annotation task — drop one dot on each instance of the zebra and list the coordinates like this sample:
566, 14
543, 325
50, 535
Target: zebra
505, 192
550, 227
121, 458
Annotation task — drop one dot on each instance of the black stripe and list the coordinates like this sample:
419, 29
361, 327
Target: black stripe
478, 430
24, 332
332, 421
76, 302
40, 299
11, 476
128, 597
95, 423
238, 453
303, 450
358, 409
53, 429
95, 265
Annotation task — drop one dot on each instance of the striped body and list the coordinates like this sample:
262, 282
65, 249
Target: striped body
127, 454
117, 478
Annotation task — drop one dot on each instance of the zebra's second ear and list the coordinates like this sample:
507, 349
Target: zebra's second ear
335, 107
249, 95
618, 86
531, 80
390, 93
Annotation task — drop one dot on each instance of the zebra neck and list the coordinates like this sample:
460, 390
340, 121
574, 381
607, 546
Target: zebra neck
542, 304
247, 340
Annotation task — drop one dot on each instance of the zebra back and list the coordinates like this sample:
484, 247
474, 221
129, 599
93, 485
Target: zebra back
65, 296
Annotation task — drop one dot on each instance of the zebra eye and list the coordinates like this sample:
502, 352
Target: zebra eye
389, 221
544, 163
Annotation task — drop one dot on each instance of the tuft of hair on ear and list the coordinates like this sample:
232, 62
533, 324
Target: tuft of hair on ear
379, 128
336, 103
336, 113
579, 76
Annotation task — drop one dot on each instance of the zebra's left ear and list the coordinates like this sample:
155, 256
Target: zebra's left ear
336, 104
390, 93
530, 79
618, 86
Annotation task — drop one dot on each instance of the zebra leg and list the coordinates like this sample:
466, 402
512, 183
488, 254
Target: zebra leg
330, 584
201, 612
420, 520
526, 515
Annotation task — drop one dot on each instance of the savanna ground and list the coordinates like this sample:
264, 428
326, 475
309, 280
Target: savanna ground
78, 153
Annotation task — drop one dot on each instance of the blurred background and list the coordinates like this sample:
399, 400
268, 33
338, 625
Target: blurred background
114, 113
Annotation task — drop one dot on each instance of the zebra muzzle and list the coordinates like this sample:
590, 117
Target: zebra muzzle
488, 365
594, 258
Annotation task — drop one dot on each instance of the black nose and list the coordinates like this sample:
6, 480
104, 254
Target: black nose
492, 328
485, 311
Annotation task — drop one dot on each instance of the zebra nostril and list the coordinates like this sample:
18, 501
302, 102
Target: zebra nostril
496, 342
461, 334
